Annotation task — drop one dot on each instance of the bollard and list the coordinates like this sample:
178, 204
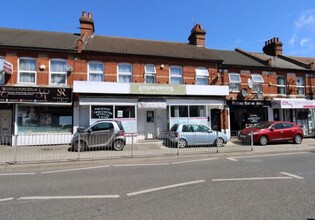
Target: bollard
251, 141
79, 147
216, 142
132, 145
15, 149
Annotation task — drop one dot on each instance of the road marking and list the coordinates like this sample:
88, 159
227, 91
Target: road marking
292, 175
135, 165
76, 169
16, 174
271, 155
253, 178
6, 199
69, 197
192, 161
231, 158
165, 187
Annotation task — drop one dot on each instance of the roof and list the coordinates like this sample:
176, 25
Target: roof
235, 58
306, 60
148, 48
37, 39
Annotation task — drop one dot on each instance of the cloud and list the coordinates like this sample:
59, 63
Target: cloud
304, 41
292, 40
306, 20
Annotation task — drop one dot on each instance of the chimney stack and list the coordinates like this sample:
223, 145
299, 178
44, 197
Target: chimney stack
197, 36
273, 47
86, 24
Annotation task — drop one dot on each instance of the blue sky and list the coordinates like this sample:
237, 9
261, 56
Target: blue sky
230, 24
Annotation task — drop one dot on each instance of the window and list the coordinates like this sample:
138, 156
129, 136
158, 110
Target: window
234, 82
96, 71
125, 111
103, 126
176, 75
2, 74
124, 73
300, 85
257, 82
197, 111
281, 85
149, 73
202, 75
179, 111
58, 72
27, 71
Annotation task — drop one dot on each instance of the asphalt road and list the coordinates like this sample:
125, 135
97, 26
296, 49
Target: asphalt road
245, 187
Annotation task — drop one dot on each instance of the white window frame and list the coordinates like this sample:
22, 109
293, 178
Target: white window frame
176, 76
148, 73
281, 86
300, 85
257, 82
95, 72
234, 84
64, 73
119, 73
34, 72
202, 73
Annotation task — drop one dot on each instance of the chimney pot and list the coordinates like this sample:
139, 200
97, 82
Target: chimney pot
273, 47
83, 14
89, 15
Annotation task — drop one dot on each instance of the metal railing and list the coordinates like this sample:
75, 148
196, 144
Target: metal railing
56, 147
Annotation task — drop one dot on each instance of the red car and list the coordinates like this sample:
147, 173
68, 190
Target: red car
272, 131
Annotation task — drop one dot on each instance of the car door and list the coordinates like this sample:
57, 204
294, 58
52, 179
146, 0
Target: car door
202, 135
276, 132
188, 134
288, 131
101, 134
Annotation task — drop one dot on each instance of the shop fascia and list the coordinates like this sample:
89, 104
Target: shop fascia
293, 104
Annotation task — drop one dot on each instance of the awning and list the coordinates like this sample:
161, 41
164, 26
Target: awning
151, 105
6, 66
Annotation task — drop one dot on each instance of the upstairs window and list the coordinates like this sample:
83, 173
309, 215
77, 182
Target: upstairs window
27, 71
2, 74
234, 82
58, 72
281, 85
257, 82
202, 75
96, 71
176, 75
149, 73
300, 85
124, 73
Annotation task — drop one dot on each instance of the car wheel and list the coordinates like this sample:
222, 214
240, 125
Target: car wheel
219, 142
182, 143
79, 146
119, 145
297, 139
263, 140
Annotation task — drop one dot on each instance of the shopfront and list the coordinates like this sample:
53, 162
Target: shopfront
150, 109
245, 113
300, 111
36, 111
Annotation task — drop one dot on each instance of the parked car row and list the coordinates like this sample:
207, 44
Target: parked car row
111, 133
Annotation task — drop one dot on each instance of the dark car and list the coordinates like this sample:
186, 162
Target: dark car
272, 131
103, 133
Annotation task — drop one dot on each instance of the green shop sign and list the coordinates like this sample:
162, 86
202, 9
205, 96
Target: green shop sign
157, 89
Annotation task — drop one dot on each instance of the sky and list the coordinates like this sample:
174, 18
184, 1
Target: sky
230, 24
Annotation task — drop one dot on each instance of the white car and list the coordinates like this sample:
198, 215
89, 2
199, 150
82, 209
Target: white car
186, 134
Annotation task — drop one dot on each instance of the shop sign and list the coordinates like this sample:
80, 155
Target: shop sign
102, 112
248, 103
157, 89
35, 94
290, 104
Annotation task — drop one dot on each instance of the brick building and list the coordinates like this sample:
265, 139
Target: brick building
54, 82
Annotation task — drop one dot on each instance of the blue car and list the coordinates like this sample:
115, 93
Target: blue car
186, 134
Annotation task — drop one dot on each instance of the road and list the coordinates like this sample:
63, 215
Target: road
278, 186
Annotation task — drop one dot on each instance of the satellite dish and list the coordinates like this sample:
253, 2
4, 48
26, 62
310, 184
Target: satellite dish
244, 92
259, 94
250, 83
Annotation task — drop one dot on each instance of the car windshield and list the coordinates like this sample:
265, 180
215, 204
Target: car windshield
264, 124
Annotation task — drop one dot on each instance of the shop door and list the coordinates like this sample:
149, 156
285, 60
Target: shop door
150, 124
5, 125
215, 122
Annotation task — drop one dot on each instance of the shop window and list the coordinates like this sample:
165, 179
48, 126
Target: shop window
58, 71
197, 111
281, 85
102, 112
176, 75
257, 81
27, 71
234, 82
150, 116
179, 111
124, 111
96, 71
43, 119
124, 73
149, 73
202, 75
300, 85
